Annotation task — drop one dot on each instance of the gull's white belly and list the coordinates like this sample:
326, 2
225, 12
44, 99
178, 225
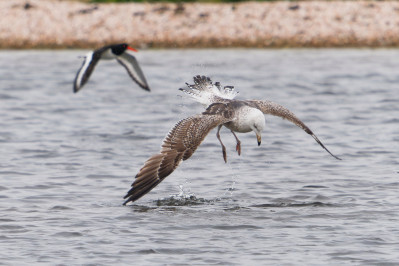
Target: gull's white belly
238, 126
245, 119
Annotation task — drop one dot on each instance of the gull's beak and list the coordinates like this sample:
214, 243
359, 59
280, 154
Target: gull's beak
259, 138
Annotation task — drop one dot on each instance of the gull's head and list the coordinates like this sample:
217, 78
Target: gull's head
257, 123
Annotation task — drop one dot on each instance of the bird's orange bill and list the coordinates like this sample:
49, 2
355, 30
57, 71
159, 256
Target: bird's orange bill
132, 49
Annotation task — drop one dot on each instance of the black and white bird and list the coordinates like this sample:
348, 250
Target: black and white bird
114, 51
183, 139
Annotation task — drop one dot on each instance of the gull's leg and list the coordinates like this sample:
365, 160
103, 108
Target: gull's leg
221, 143
238, 147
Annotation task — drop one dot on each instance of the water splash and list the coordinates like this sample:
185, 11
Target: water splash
177, 200
185, 189
230, 189
234, 176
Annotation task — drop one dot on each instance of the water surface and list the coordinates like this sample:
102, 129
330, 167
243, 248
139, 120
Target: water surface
66, 161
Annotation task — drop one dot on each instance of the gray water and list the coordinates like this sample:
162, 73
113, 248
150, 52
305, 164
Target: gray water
66, 161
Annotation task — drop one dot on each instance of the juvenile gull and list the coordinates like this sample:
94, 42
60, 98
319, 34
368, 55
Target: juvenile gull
185, 137
115, 51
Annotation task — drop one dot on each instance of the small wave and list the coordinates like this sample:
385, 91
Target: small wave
6, 220
10, 227
8, 97
145, 251
235, 227
293, 205
68, 234
99, 176
314, 186
60, 208
14, 173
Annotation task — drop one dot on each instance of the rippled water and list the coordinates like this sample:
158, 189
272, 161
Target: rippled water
66, 161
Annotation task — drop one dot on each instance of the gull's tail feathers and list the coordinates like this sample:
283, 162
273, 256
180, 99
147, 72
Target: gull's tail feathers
206, 93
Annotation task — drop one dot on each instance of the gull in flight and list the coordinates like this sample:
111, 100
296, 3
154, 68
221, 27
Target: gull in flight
115, 51
222, 110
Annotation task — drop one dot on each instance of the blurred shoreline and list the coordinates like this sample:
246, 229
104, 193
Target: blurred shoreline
71, 24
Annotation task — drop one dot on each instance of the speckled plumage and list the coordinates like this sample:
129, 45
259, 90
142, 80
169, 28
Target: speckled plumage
185, 137
203, 86
180, 143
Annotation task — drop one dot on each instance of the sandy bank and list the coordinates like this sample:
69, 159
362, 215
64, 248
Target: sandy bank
51, 23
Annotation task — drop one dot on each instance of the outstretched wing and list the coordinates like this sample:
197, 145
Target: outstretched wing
180, 143
83, 75
133, 69
269, 107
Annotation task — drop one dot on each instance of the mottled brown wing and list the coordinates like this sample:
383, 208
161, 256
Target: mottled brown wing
179, 144
269, 107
